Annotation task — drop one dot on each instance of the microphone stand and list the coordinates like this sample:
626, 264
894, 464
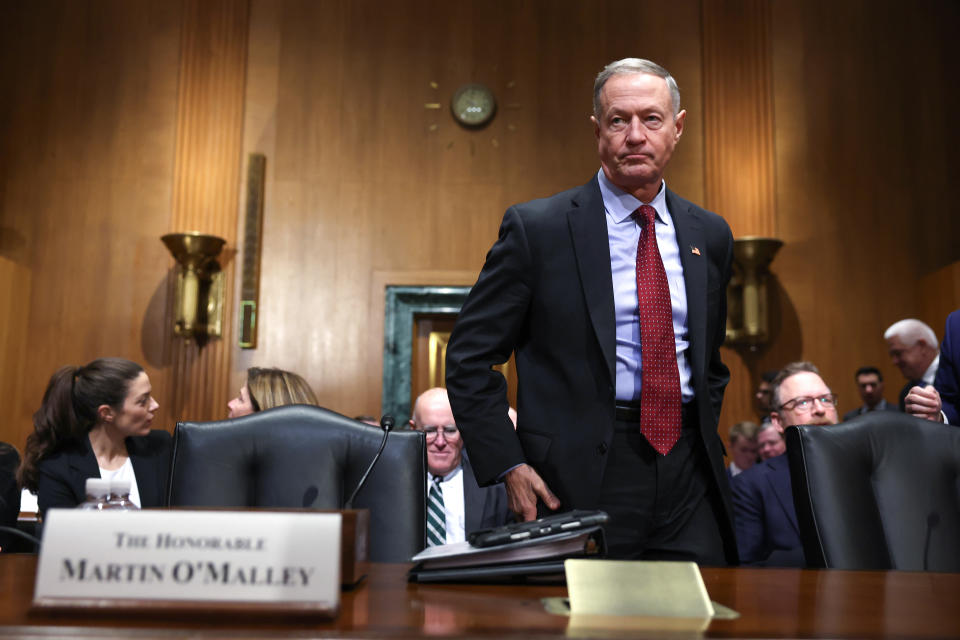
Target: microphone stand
386, 423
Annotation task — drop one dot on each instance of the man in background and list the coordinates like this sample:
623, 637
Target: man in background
948, 374
766, 522
762, 397
770, 442
870, 386
743, 447
456, 505
913, 348
941, 403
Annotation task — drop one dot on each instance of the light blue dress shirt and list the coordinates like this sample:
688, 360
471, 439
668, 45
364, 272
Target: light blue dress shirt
623, 233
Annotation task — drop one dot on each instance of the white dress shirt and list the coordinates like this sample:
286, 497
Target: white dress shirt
125, 472
453, 503
623, 233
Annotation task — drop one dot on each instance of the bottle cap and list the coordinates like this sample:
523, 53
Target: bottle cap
97, 487
119, 487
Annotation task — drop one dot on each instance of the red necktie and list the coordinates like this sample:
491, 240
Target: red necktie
660, 382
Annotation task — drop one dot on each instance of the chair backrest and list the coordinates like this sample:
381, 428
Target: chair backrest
881, 491
306, 457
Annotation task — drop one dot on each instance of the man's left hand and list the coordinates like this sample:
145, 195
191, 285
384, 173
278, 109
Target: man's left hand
924, 402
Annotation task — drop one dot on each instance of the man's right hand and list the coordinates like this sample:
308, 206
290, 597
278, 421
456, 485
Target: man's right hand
924, 402
524, 486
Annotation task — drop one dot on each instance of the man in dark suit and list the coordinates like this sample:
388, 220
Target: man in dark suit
466, 506
870, 386
940, 402
577, 286
766, 521
948, 374
912, 345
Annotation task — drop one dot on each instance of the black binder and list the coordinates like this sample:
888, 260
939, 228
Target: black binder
531, 560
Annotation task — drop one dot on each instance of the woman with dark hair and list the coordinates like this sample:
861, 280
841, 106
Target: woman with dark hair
94, 422
268, 388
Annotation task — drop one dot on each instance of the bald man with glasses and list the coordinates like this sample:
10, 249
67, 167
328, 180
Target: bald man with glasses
456, 504
765, 520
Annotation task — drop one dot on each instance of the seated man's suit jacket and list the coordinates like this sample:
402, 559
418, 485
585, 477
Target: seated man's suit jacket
859, 411
484, 507
764, 516
948, 375
63, 475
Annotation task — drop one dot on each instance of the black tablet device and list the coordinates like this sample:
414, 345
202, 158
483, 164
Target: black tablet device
549, 525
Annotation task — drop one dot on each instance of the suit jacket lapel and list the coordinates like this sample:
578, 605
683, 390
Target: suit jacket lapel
472, 507
779, 478
690, 241
588, 232
146, 470
84, 466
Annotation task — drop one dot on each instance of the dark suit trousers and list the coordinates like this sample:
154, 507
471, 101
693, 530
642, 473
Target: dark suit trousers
660, 507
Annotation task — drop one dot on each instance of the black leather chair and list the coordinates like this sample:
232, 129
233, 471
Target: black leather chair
306, 457
881, 491
9, 498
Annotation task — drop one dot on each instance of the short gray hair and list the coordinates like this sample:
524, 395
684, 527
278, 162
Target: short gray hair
911, 331
634, 65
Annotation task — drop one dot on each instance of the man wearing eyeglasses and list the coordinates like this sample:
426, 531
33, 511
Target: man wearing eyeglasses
764, 517
456, 504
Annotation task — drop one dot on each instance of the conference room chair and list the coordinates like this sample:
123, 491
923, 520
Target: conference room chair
9, 500
879, 492
306, 457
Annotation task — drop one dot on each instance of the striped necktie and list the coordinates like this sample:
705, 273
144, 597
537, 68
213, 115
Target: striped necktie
436, 518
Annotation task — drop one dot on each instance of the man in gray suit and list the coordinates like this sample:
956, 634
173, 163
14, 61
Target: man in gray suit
465, 505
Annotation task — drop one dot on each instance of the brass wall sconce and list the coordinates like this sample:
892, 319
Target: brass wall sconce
198, 302
747, 302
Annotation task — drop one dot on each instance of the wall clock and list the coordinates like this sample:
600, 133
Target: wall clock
473, 105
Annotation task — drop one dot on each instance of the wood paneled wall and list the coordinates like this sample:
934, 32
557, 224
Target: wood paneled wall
207, 171
87, 130
859, 94
363, 179
738, 110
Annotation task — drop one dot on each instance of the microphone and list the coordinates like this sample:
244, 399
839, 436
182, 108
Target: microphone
386, 423
22, 534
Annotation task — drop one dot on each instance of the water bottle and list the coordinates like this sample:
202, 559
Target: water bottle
98, 492
120, 496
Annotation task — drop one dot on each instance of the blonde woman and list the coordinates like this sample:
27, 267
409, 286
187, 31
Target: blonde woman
268, 388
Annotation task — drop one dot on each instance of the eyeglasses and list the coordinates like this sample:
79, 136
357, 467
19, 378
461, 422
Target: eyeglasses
804, 404
450, 431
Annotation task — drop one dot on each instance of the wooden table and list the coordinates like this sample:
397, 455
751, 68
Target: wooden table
772, 603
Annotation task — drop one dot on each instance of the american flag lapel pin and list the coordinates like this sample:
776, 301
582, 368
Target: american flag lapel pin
695, 251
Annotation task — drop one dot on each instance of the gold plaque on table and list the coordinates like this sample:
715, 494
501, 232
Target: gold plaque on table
637, 595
